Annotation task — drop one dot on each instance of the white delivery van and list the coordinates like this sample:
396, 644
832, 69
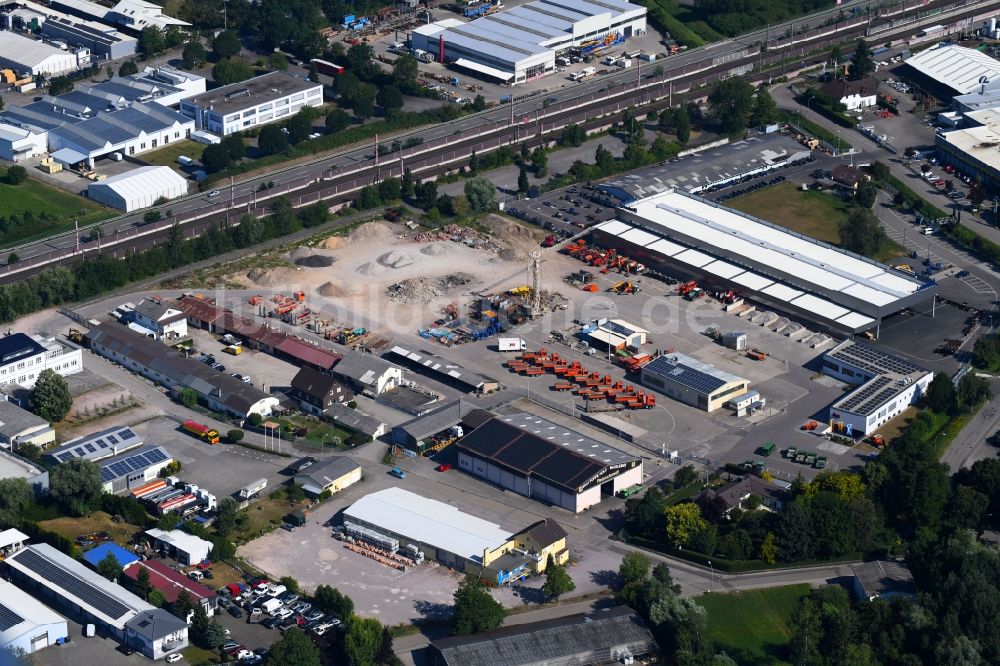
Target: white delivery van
271, 605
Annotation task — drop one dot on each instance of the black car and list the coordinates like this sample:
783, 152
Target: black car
302, 464
270, 622
235, 611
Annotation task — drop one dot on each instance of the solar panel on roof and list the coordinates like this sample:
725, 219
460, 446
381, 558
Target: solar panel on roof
81, 589
9, 618
865, 393
615, 327
127, 433
155, 456
90, 448
112, 439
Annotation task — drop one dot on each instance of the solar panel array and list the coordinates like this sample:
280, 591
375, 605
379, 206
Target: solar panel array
615, 327
865, 393
8, 618
875, 361
684, 375
86, 449
81, 589
136, 462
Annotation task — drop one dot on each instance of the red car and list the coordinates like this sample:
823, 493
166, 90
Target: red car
443, 467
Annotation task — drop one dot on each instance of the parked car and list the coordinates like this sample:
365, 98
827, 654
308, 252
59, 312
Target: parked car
282, 613
321, 629
443, 467
271, 622
229, 645
312, 616
289, 598
398, 473
214, 193
235, 611
173, 658
302, 607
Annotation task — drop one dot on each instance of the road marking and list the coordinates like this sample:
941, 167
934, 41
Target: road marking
978, 285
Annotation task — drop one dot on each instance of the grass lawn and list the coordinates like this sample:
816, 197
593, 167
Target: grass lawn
753, 627
320, 432
98, 521
266, 513
34, 196
811, 213
195, 655
167, 156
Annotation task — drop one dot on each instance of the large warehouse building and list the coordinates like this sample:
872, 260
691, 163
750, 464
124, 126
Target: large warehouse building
24, 55
27, 625
400, 521
693, 382
886, 385
954, 69
264, 99
138, 188
542, 460
689, 237
522, 43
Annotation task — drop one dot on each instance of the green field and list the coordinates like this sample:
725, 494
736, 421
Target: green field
35, 197
811, 213
753, 627
168, 155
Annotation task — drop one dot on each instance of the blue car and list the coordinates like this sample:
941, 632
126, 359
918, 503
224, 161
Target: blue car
398, 473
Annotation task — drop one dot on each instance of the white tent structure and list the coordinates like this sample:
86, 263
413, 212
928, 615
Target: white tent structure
138, 188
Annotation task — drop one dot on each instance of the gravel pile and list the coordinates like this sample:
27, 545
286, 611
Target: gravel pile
424, 290
315, 261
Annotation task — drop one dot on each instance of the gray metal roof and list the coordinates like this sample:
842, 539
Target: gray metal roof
604, 636
14, 420
155, 624
884, 577
440, 368
102, 444
325, 472
353, 419
362, 367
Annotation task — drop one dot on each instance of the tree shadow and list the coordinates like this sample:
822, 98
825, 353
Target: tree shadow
607, 578
530, 595
433, 611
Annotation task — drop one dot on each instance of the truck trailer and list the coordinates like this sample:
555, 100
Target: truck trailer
248, 491
511, 344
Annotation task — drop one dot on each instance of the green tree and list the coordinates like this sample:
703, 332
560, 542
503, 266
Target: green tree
480, 193
634, 568
156, 598
293, 648
235, 435
426, 194
861, 232
540, 159
215, 636
278, 61
972, 390
225, 520
368, 198
836, 55
386, 654
683, 522
235, 147
12, 258
769, 548
478, 103
216, 158
522, 180
226, 44
199, 626
407, 186
60, 85
182, 605
50, 398
765, 111
291, 584
866, 195
603, 158
405, 71
940, 394
557, 581
475, 608
271, 140
15, 497
110, 568
337, 121
299, 128
572, 135
188, 397
862, 62
231, 70
967, 507
128, 68
16, 175
730, 103
140, 585
362, 641
331, 600
685, 476
152, 41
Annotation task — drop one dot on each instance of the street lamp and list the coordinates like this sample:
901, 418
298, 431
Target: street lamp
711, 580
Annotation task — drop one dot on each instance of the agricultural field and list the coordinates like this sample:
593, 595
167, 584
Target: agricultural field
753, 627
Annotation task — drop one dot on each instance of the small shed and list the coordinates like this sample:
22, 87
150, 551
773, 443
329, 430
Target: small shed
735, 340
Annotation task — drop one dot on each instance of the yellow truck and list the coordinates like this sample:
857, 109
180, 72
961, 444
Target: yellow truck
235, 350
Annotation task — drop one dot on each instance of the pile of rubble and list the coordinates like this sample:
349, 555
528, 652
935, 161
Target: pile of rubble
424, 290
453, 232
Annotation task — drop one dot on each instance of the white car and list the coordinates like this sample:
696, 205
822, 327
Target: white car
282, 613
214, 193
322, 629
244, 654
172, 658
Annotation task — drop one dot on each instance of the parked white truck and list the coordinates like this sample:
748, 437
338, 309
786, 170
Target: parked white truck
511, 344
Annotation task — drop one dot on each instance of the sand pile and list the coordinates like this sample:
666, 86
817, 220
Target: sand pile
505, 229
273, 277
332, 290
512, 254
370, 269
434, 250
371, 232
395, 259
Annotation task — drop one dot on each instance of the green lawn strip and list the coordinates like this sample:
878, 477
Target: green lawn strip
816, 130
753, 627
167, 156
812, 213
61, 208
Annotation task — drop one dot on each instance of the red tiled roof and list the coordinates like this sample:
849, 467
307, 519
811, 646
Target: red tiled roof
168, 581
307, 353
199, 308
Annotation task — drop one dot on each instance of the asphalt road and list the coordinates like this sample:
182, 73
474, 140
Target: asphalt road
332, 176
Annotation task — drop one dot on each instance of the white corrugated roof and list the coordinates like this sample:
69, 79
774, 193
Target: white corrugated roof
428, 521
694, 257
28, 52
723, 269
752, 280
614, 227
141, 182
957, 67
820, 306
32, 612
436, 27
855, 320
665, 247
639, 237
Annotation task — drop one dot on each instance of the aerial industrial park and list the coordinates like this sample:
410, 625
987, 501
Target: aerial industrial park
525, 332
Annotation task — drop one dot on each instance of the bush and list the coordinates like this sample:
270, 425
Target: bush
16, 175
235, 435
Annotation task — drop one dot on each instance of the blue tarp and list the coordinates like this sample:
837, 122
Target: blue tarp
95, 555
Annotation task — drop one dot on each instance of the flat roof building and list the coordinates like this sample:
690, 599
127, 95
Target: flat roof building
606, 636
333, 474
24, 55
616, 335
680, 234
139, 188
883, 579
268, 98
542, 460
102, 444
19, 426
520, 44
974, 150
103, 41
886, 385
24, 357
170, 368
21, 143
692, 382
27, 625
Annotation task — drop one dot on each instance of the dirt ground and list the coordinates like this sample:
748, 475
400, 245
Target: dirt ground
391, 279
98, 521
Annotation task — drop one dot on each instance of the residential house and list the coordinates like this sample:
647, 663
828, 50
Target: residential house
849, 176
156, 633
316, 391
359, 422
736, 494
153, 318
368, 373
852, 94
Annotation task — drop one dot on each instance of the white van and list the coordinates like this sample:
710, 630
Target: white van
196, 575
275, 590
271, 605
